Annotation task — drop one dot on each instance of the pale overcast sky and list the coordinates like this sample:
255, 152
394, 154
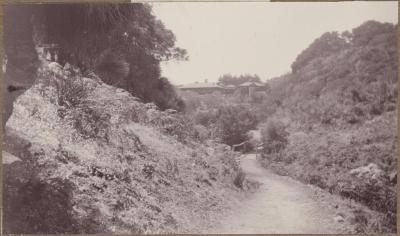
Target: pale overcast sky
257, 38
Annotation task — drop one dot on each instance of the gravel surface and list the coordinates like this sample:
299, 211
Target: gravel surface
283, 205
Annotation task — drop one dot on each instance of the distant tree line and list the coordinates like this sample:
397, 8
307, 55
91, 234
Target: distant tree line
228, 79
331, 42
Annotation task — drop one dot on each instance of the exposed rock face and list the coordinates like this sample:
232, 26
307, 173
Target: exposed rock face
106, 163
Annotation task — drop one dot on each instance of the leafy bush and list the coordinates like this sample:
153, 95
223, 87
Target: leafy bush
239, 179
370, 30
367, 224
327, 44
205, 118
91, 123
191, 100
202, 132
175, 125
274, 137
227, 119
112, 68
71, 91
165, 96
61, 86
233, 123
123, 43
339, 104
195, 102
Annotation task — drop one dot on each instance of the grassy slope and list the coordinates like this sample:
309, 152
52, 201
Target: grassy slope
111, 164
340, 114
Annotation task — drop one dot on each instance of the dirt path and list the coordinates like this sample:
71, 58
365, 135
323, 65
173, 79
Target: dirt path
281, 205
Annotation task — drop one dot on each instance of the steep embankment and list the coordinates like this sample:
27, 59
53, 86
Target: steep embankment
95, 160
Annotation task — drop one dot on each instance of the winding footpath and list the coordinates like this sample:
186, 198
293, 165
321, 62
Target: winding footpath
280, 205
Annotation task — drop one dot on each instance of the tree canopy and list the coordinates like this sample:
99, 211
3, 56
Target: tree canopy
328, 43
228, 79
123, 43
370, 33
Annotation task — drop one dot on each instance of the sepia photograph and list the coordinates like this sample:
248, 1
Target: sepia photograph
199, 117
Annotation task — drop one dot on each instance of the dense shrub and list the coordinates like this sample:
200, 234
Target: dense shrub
233, 123
165, 96
191, 100
274, 137
239, 179
327, 44
175, 125
205, 117
339, 107
370, 31
70, 91
123, 43
227, 118
204, 102
112, 68
91, 123
202, 133
327, 158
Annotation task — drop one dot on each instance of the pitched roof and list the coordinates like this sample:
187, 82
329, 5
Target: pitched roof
246, 84
199, 85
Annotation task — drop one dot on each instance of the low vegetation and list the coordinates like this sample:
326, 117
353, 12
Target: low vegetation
114, 148
220, 117
332, 121
107, 163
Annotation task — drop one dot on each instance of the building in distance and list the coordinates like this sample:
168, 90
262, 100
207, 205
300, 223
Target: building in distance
247, 88
202, 87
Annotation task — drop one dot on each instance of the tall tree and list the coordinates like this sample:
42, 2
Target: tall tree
123, 43
328, 43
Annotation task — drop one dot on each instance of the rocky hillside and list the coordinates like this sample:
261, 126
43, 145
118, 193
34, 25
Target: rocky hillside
332, 121
95, 159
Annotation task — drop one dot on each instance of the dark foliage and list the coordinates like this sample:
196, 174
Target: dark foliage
123, 43
325, 45
339, 107
20, 54
35, 206
128, 41
274, 137
228, 79
233, 122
